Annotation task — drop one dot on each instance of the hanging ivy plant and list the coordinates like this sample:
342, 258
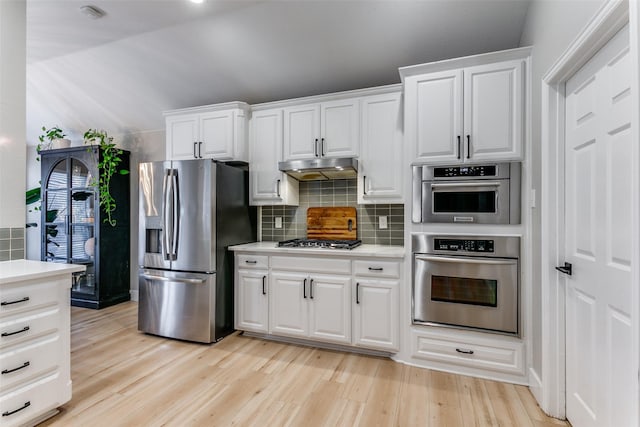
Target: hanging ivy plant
107, 166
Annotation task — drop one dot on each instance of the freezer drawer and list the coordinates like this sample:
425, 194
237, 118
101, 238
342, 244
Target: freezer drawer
177, 305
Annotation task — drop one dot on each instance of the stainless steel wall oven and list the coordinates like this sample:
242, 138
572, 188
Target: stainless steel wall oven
467, 281
483, 194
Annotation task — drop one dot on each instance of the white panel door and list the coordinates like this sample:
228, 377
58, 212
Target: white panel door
330, 308
302, 132
265, 153
381, 169
252, 301
493, 111
376, 320
182, 134
289, 304
600, 370
216, 134
434, 116
340, 128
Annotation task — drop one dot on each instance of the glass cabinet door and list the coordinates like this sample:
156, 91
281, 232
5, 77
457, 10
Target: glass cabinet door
55, 212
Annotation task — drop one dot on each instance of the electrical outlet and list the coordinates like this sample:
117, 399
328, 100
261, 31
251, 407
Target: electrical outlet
278, 223
382, 222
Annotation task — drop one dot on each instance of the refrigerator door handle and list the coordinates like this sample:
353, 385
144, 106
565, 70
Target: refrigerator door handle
168, 279
166, 235
175, 229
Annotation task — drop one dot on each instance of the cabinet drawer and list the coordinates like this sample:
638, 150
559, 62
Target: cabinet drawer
499, 356
29, 359
252, 261
311, 265
376, 268
19, 298
19, 328
33, 400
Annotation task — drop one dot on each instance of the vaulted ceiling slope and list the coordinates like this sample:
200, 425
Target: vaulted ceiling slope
145, 56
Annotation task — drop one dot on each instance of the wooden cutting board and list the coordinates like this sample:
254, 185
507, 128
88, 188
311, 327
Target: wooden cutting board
335, 223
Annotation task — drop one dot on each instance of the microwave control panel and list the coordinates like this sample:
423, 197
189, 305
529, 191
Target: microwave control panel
446, 172
453, 245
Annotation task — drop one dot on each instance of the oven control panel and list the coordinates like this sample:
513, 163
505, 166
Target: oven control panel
466, 245
445, 172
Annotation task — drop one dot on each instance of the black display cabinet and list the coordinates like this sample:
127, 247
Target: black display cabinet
73, 227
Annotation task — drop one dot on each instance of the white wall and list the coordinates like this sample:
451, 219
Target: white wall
550, 27
12, 112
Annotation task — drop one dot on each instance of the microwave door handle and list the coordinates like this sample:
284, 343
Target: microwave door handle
465, 184
467, 260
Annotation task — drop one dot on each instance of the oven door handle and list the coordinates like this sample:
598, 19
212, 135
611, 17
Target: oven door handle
465, 184
467, 260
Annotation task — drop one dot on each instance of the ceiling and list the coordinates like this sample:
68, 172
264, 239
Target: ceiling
143, 57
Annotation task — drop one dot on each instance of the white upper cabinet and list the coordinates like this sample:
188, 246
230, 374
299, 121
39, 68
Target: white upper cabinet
466, 110
268, 186
327, 129
214, 132
380, 166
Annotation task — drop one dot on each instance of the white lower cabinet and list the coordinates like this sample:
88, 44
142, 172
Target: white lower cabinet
375, 314
311, 306
317, 298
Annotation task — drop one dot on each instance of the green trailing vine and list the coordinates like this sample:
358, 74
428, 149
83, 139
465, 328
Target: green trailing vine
110, 158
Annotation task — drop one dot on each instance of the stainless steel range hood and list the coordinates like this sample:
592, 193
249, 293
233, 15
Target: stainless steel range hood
320, 169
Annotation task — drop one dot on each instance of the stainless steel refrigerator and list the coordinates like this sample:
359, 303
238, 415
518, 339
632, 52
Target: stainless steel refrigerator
191, 211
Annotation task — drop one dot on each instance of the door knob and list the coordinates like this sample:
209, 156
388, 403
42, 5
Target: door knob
567, 269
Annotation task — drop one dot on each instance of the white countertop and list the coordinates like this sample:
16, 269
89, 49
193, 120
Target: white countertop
362, 250
22, 269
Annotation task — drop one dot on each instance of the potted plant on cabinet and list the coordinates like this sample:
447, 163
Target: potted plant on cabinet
109, 159
53, 137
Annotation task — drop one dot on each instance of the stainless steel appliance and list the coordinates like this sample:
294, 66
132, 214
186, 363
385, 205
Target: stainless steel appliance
483, 194
467, 281
320, 169
316, 243
190, 212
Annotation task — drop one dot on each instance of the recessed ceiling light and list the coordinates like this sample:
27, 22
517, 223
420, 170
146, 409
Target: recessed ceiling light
92, 12
197, 1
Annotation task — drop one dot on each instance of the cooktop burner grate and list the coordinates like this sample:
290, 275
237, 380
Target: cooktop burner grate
314, 243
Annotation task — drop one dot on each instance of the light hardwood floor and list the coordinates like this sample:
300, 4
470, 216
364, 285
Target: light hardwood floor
122, 377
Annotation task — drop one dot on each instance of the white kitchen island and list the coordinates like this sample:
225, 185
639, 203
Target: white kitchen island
34, 340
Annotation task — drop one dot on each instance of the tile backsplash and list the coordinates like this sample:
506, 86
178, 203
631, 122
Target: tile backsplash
11, 243
334, 193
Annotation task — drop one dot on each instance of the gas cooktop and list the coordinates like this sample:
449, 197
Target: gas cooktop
314, 243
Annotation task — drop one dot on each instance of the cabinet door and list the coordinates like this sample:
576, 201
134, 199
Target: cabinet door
288, 307
434, 116
252, 301
330, 308
340, 128
302, 132
493, 111
182, 137
376, 314
266, 152
380, 168
216, 135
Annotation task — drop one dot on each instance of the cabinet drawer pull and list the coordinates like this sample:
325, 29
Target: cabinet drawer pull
195, 144
459, 147
311, 289
315, 148
200, 149
468, 146
25, 299
322, 148
25, 406
304, 289
278, 188
8, 371
376, 269
463, 351
251, 261
358, 293
264, 289
364, 185
8, 334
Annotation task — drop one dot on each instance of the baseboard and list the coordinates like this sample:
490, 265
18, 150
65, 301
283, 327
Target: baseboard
535, 385
134, 295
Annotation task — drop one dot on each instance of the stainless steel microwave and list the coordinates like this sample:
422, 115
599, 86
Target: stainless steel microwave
482, 194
